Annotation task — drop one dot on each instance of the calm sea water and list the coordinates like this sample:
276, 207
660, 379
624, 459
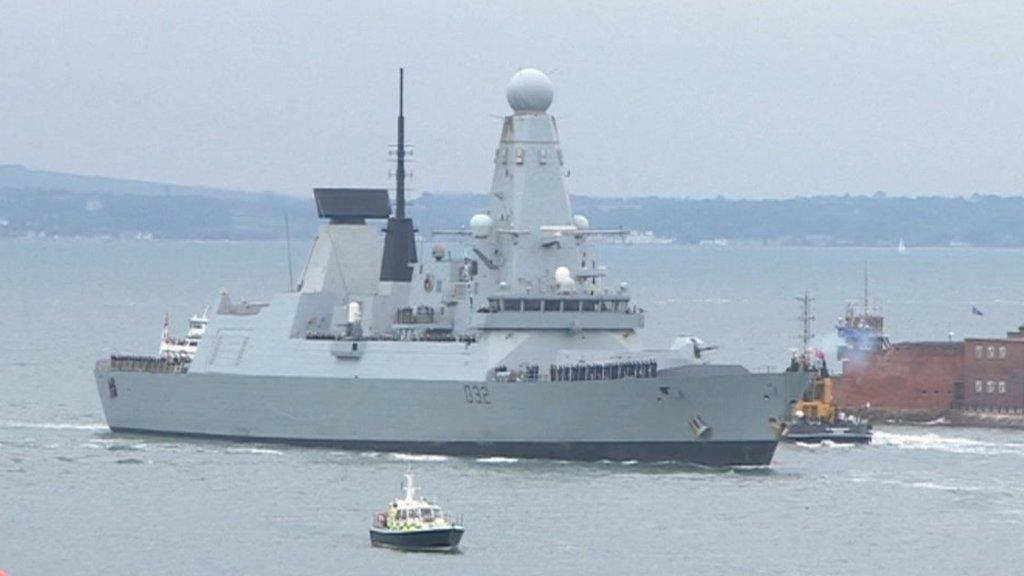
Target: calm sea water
76, 499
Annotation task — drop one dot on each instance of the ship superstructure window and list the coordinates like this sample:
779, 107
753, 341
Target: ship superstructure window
979, 351
531, 305
978, 385
589, 305
512, 305
991, 351
1002, 387
571, 305
552, 305
1002, 351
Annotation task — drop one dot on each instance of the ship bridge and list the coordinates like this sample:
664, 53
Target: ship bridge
574, 312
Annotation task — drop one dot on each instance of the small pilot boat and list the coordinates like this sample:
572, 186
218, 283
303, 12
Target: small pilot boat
845, 429
415, 524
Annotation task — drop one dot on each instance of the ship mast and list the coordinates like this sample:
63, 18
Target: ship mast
400, 169
865, 287
805, 318
399, 237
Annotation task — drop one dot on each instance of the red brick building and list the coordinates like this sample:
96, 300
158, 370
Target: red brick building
994, 373
917, 377
929, 378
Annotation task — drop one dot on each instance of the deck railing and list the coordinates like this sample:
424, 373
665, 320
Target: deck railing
153, 364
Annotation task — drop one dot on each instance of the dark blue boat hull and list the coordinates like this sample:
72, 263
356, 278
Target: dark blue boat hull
429, 540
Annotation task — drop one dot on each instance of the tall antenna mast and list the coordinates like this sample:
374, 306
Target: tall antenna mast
865, 287
288, 245
400, 171
806, 318
400, 236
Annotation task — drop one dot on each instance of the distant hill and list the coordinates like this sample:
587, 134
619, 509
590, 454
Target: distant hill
16, 177
34, 203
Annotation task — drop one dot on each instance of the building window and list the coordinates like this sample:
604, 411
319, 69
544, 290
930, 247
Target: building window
979, 351
991, 351
977, 386
991, 384
1002, 387
1002, 351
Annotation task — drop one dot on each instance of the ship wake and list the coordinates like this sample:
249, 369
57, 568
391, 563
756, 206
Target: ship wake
950, 444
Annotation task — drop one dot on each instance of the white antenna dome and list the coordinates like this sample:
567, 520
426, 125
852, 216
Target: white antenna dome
563, 280
530, 91
581, 222
481, 225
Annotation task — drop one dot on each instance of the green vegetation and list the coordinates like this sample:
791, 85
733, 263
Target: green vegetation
36, 203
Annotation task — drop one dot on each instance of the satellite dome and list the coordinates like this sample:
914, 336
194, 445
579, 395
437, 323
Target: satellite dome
530, 91
481, 225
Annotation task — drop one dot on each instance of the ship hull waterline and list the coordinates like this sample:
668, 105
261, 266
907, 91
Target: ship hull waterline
426, 540
645, 421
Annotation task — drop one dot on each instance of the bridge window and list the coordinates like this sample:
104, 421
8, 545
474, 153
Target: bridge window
589, 305
512, 305
571, 305
531, 305
552, 305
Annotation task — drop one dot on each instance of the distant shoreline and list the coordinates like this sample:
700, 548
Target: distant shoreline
51, 203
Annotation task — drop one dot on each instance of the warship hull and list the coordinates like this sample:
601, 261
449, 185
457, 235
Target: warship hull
690, 414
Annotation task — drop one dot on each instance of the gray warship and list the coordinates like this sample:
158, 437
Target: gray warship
509, 342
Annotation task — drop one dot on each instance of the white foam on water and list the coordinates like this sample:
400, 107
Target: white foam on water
498, 460
53, 426
419, 457
918, 485
825, 445
237, 450
952, 444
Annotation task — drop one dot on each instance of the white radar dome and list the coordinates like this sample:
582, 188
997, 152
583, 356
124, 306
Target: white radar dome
563, 280
530, 91
481, 225
581, 222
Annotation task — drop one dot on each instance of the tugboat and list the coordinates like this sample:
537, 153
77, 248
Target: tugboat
816, 417
412, 523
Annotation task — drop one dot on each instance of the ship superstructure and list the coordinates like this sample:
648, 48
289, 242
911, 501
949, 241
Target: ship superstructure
508, 342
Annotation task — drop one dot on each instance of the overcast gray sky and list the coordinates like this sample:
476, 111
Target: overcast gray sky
758, 99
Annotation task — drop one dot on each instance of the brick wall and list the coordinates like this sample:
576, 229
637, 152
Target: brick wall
994, 374
907, 376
